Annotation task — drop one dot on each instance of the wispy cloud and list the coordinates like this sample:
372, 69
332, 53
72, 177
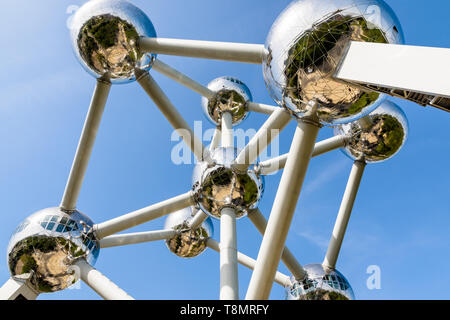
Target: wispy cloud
314, 238
328, 174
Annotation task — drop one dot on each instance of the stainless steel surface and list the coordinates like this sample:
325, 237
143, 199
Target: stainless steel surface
188, 242
306, 44
378, 136
48, 243
320, 284
231, 95
105, 35
219, 185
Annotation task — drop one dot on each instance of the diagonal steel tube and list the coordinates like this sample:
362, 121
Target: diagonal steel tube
228, 51
198, 219
287, 257
216, 139
100, 283
138, 217
138, 237
248, 262
272, 165
173, 116
269, 131
177, 76
261, 108
284, 206
345, 210
85, 145
229, 283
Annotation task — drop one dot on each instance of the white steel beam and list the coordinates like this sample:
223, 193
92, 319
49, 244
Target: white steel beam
261, 108
227, 130
100, 283
138, 217
283, 208
19, 288
272, 165
259, 221
138, 237
228, 51
343, 217
85, 145
198, 219
248, 262
269, 131
177, 76
173, 116
229, 283
217, 137
412, 68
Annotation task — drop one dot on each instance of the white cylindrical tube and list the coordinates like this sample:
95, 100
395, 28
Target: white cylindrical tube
283, 210
177, 76
269, 131
107, 289
228, 51
85, 145
138, 237
143, 215
343, 217
227, 130
229, 285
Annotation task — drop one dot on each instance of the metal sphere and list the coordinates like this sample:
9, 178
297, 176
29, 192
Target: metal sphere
220, 185
231, 95
378, 136
188, 243
105, 36
305, 46
47, 243
320, 284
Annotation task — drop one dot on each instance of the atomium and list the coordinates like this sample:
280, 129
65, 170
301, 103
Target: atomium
231, 96
105, 36
220, 185
377, 136
188, 243
305, 46
300, 59
320, 284
47, 244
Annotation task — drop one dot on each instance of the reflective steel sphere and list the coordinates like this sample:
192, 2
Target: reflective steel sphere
231, 95
320, 284
188, 243
305, 46
378, 136
47, 243
105, 36
221, 185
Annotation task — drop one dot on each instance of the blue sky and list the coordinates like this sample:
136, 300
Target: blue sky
401, 219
